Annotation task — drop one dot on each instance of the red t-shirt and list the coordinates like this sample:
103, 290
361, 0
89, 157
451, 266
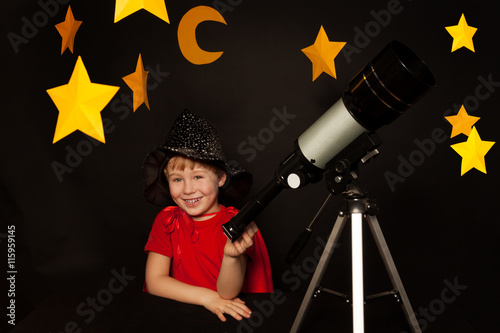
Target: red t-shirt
197, 248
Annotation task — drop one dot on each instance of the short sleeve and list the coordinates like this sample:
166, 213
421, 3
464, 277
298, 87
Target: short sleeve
159, 240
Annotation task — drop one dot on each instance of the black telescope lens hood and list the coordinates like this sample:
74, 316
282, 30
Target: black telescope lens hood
391, 83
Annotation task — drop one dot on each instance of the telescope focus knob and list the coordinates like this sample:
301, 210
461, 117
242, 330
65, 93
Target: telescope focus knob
295, 180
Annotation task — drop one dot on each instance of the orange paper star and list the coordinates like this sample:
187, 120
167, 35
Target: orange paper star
462, 35
322, 54
462, 123
80, 103
125, 8
473, 152
67, 30
138, 81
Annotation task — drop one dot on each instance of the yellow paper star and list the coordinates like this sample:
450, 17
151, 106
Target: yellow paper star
473, 152
80, 103
462, 35
462, 123
138, 81
125, 8
67, 30
322, 54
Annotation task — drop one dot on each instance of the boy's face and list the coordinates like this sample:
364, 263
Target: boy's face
195, 190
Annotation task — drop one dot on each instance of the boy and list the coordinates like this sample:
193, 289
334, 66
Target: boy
189, 258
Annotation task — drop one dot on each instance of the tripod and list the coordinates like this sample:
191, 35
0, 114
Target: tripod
357, 206
341, 179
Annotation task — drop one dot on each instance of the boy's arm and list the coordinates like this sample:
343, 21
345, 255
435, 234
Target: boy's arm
159, 283
234, 263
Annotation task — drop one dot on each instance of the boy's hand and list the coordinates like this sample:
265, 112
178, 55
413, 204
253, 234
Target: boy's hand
233, 307
239, 246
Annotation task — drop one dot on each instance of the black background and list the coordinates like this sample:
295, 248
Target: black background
73, 230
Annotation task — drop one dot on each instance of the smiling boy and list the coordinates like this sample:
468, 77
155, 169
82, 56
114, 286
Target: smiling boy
189, 258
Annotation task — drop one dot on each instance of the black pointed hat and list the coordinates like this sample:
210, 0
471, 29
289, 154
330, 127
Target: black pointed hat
193, 137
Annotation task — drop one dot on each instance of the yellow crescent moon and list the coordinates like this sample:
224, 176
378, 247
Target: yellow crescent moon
186, 34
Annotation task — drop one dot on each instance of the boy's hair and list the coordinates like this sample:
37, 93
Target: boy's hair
180, 163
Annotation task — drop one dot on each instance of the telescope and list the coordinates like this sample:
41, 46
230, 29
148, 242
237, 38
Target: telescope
384, 89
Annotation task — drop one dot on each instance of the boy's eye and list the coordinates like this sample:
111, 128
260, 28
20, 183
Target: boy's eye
176, 180
198, 177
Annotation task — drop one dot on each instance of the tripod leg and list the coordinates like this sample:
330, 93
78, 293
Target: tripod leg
390, 266
320, 270
358, 296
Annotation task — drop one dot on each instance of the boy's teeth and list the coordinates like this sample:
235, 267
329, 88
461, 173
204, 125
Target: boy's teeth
192, 201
